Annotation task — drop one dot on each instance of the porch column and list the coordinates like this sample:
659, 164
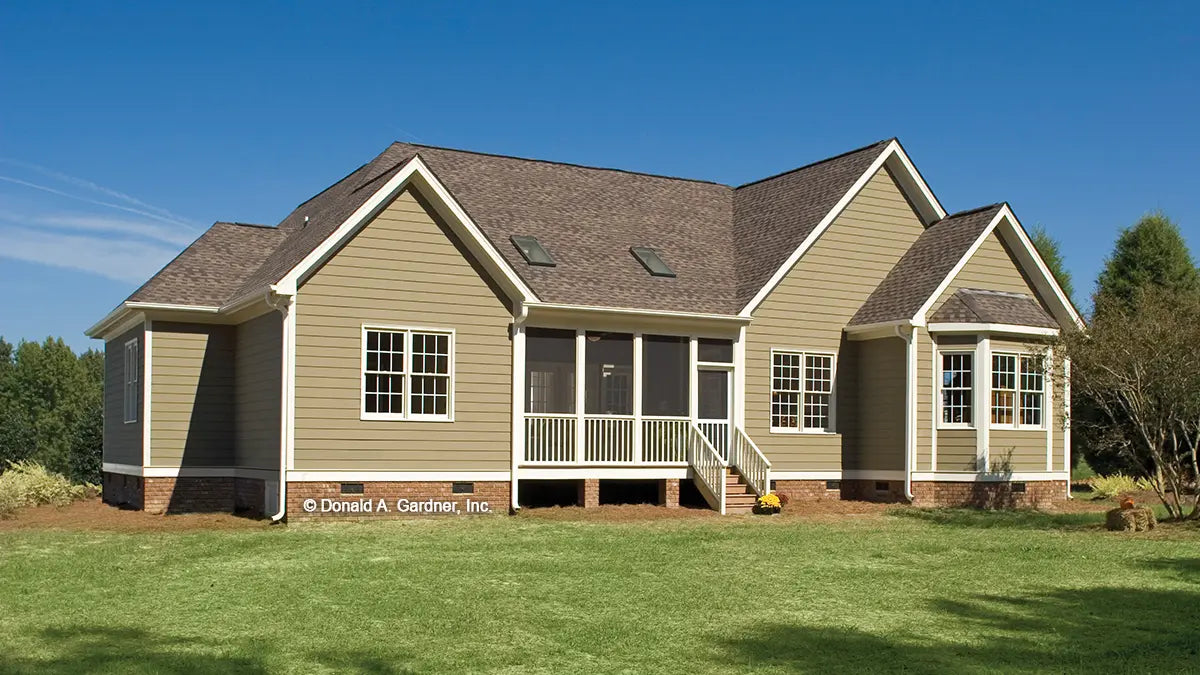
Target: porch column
580, 378
693, 378
518, 405
589, 493
637, 398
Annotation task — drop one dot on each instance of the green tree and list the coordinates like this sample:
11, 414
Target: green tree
1152, 253
87, 436
1051, 251
51, 386
17, 440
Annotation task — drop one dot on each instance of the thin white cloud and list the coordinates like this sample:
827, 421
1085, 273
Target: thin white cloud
169, 235
119, 259
95, 187
97, 202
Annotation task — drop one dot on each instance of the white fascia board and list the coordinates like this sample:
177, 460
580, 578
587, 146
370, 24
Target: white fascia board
992, 328
415, 171
896, 159
962, 262
654, 313
394, 476
989, 477
102, 327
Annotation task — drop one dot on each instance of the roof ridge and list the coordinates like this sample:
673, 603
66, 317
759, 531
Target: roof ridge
816, 163
558, 163
968, 212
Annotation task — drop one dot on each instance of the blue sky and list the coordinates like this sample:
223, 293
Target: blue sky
125, 131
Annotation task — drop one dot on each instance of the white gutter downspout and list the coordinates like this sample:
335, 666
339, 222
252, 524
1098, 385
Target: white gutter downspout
909, 400
283, 306
518, 398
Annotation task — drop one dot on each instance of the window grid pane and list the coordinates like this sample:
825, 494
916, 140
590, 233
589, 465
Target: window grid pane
424, 374
1033, 384
957, 388
1004, 389
801, 391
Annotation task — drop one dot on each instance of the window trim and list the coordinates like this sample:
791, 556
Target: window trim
800, 429
405, 415
1019, 356
940, 379
131, 404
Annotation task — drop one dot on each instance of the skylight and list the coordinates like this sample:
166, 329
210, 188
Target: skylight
532, 250
651, 261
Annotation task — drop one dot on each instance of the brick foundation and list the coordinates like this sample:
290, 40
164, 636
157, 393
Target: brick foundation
328, 501
668, 493
868, 491
249, 496
989, 495
119, 489
589, 493
189, 494
803, 490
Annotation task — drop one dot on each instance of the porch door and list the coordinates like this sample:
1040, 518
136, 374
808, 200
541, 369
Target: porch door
715, 406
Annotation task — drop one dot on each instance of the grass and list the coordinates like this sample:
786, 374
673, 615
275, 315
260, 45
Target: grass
906, 591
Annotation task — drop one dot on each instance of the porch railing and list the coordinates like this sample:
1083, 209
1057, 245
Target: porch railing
664, 440
550, 439
754, 466
606, 439
708, 467
717, 433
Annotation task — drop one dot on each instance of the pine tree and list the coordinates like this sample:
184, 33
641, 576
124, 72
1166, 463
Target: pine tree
1051, 251
1152, 253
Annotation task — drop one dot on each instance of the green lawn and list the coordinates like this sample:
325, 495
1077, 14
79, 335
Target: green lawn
948, 591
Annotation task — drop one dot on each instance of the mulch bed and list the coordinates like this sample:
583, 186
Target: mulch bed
93, 514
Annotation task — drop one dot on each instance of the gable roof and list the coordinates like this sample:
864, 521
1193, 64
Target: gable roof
213, 267
924, 266
723, 242
969, 305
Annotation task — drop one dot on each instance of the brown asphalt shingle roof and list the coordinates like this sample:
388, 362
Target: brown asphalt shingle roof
969, 305
924, 266
209, 270
723, 242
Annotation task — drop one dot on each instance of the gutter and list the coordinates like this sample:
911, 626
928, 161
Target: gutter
283, 305
910, 378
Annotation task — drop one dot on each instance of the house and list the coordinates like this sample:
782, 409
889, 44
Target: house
444, 330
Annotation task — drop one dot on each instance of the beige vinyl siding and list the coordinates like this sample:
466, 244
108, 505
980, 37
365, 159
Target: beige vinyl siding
811, 306
956, 450
404, 269
257, 370
192, 394
879, 440
929, 407
122, 442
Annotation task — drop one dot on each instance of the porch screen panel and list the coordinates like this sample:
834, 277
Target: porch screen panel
549, 371
608, 388
665, 380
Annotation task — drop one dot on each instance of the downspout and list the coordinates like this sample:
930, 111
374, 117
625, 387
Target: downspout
518, 399
909, 432
283, 306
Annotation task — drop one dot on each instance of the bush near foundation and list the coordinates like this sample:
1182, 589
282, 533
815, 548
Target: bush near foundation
1106, 487
29, 484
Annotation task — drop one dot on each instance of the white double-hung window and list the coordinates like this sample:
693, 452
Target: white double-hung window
957, 388
133, 367
407, 373
1018, 390
801, 391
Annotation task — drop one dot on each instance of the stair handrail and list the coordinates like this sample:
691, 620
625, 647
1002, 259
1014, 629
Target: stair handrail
754, 466
707, 465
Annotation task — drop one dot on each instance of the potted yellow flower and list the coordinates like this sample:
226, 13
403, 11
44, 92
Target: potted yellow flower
769, 504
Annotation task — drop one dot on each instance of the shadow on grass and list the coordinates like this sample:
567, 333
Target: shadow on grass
1010, 518
89, 649
1093, 630
1183, 569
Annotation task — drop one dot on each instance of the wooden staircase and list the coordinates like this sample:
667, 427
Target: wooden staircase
739, 496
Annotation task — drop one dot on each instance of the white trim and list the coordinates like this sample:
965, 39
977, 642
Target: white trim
127, 469
935, 404
900, 164
396, 476
414, 169
831, 427
1066, 422
992, 328
103, 327
983, 414
580, 394
1047, 406
604, 473
518, 400
910, 400
406, 414
637, 397
147, 390
1047, 389
206, 472
739, 378
625, 311
807, 475
939, 378
290, 320
986, 477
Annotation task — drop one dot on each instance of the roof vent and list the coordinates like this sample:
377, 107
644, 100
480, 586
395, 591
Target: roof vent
532, 250
651, 261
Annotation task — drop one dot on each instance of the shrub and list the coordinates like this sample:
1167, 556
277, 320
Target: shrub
30, 484
769, 503
1105, 487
